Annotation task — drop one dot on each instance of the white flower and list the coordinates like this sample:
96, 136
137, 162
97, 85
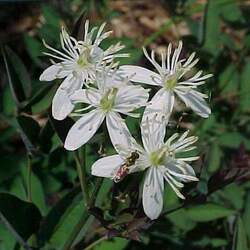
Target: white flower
170, 78
159, 158
111, 97
78, 61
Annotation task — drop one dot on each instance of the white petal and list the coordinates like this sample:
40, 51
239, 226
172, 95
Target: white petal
61, 103
118, 131
89, 96
153, 133
195, 101
181, 170
155, 119
107, 166
162, 104
53, 72
96, 55
129, 98
83, 129
140, 74
152, 197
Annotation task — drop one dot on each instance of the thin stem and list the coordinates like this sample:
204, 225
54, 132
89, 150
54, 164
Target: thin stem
173, 210
95, 192
95, 243
82, 178
18, 238
83, 183
29, 173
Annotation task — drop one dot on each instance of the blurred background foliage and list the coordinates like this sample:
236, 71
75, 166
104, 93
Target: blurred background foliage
216, 213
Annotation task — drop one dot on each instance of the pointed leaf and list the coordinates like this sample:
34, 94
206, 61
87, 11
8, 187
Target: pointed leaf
208, 212
23, 216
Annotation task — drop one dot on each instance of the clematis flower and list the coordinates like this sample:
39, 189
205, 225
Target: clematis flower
161, 160
112, 96
77, 61
172, 80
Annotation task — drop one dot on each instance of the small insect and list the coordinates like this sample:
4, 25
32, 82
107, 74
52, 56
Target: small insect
123, 170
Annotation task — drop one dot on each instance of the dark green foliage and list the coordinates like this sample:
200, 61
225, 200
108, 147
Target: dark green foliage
23, 216
216, 212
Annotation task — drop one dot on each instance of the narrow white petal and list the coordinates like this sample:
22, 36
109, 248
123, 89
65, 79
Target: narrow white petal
156, 113
152, 197
89, 96
181, 170
83, 129
196, 102
61, 103
153, 132
129, 98
118, 131
107, 166
162, 104
140, 74
53, 72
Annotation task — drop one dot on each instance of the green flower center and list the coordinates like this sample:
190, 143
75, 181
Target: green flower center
108, 100
82, 61
160, 156
84, 58
171, 82
156, 158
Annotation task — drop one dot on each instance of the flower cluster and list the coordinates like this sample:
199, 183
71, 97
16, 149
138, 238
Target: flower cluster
96, 90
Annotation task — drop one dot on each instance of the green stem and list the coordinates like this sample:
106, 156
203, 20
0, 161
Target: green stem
29, 173
95, 192
95, 243
82, 178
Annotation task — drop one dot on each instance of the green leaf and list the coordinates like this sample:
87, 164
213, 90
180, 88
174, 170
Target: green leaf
211, 31
7, 241
21, 71
231, 12
66, 226
245, 87
214, 158
233, 140
17, 93
61, 127
50, 15
235, 195
114, 244
34, 48
208, 212
23, 216
246, 215
29, 130
37, 192
55, 217
41, 100
241, 241
10, 166
181, 220
228, 80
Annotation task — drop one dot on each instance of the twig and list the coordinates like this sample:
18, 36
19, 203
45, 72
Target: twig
82, 178
94, 194
95, 243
